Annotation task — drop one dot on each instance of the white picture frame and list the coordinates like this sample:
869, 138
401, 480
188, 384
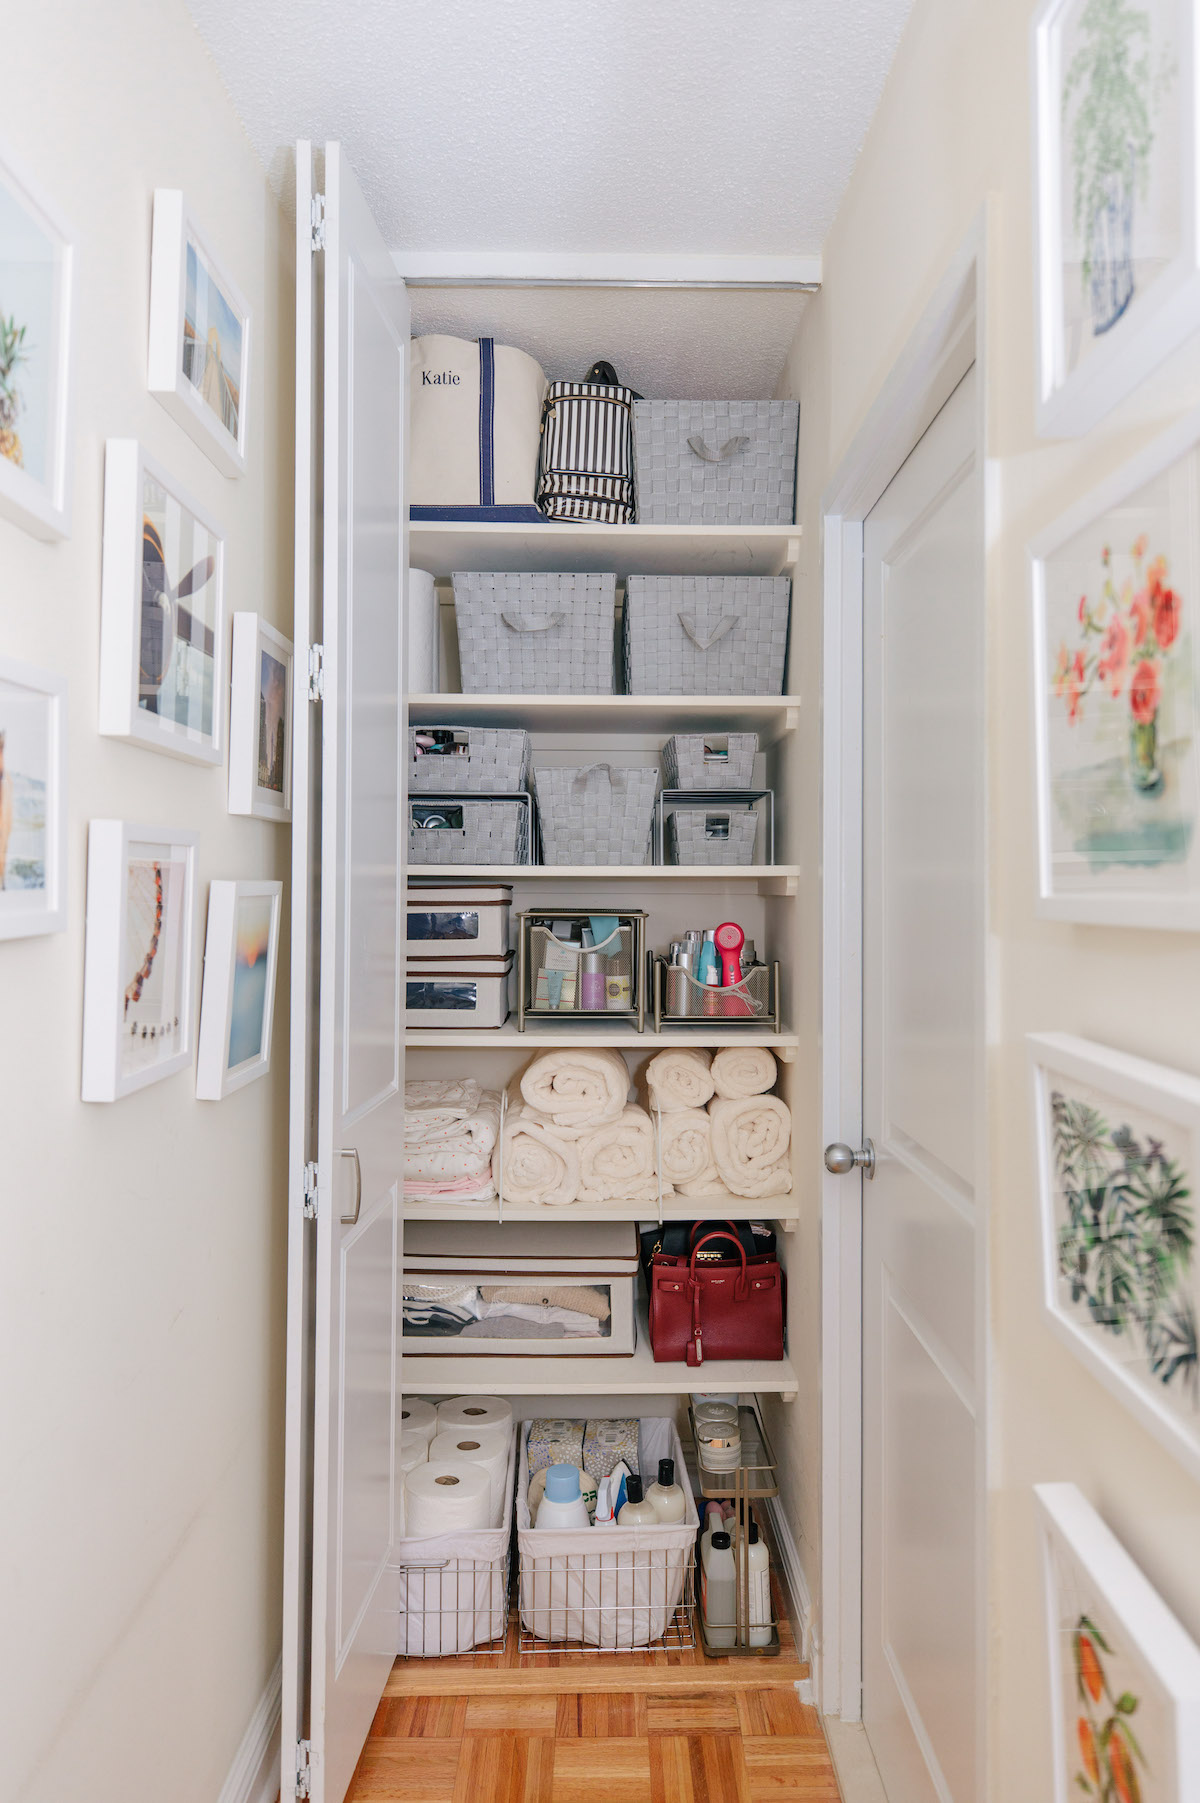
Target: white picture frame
1132, 1692
1118, 1183
260, 720
139, 975
33, 800
198, 365
38, 280
241, 963
1117, 254
163, 635
1115, 604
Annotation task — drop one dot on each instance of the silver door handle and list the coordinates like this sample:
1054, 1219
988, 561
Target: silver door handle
352, 1220
840, 1159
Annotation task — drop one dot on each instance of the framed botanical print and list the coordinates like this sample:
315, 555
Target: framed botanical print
33, 800
199, 363
1116, 663
37, 298
237, 1009
162, 628
260, 720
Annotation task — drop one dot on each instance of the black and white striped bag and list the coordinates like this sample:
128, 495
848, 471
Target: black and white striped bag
587, 451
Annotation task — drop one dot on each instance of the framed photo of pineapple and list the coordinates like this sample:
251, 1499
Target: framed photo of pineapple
37, 291
1118, 261
1116, 643
1118, 1163
199, 363
260, 721
1124, 1690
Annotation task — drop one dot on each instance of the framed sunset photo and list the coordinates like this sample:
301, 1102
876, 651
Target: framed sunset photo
260, 720
199, 359
237, 1010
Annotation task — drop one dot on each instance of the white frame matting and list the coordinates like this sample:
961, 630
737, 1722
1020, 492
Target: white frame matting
215, 1077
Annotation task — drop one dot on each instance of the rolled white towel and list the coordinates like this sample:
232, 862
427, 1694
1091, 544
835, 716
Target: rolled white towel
750, 1141
577, 1088
687, 1158
743, 1070
617, 1161
539, 1167
679, 1079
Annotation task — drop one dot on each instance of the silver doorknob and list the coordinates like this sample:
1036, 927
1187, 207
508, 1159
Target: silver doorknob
841, 1159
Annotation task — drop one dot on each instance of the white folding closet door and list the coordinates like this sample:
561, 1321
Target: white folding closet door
352, 1035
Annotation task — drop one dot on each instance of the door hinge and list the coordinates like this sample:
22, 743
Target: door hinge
316, 672
303, 1767
310, 1192
316, 219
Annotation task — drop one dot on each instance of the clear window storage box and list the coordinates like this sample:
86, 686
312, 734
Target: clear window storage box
715, 463
472, 759
458, 920
537, 633
559, 978
706, 635
466, 992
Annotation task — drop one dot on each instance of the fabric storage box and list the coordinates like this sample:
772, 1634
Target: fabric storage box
710, 835
617, 1590
458, 830
706, 635
475, 430
715, 463
541, 633
557, 974
712, 760
475, 758
595, 814
458, 920
578, 1301
458, 992
453, 1588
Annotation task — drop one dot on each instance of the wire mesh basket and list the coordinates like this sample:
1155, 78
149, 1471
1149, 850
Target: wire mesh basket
695, 760
680, 1000
459, 760
468, 830
538, 633
559, 976
454, 1607
708, 835
595, 814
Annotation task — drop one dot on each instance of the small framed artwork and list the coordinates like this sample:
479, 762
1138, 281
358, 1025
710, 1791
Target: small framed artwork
37, 293
1116, 584
138, 984
33, 804
162, 627
1118, 1156
260, 720
1124, 1673
1118, 264
199, 363
237, 1008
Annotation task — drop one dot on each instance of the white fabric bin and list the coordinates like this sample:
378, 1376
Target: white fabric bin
458, 992
475, 430
453, 1589
458, 920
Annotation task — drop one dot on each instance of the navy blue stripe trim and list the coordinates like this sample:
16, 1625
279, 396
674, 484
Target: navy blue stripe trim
532, 515
487, 421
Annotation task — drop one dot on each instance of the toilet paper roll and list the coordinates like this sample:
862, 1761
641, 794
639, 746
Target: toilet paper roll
473, 1411
424, 635
440, 1498
418, 1420
484, 1446
413, 1451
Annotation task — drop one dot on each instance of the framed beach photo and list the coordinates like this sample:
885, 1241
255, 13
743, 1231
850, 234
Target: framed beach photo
162, 627
138, 982
237, 1008
1116, 662
1118, 1173
33, 800
37, 297
1118, 261
199, 362
1124, 1673
260, 720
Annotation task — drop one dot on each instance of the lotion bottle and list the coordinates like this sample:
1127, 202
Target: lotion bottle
666, 1497
759, 1589
718, 1592
636, 1513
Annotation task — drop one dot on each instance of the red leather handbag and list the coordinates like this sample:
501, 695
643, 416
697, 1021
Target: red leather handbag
703, 1307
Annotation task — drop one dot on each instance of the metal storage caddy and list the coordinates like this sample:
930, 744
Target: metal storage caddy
755, 1480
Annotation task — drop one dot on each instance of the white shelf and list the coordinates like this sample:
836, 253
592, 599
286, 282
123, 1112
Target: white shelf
783, 1209
601, 1033
773, 879
444, 546
770, 716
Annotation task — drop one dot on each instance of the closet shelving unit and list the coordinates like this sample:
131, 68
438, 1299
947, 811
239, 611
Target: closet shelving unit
762, 897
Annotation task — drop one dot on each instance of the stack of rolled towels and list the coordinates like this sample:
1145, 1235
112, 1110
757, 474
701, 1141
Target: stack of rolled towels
723, 1135
451, 1127
454, 1459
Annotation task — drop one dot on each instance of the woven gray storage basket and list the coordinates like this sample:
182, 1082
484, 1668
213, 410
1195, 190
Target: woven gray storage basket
497, 759
706, 635
492, 832
688, 841
543, 633
685, 766
715, 462
595, 815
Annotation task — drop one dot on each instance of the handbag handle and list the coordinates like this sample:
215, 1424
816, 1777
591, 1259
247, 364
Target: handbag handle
729, 449
705, 640
531, 622
616, 777
715, 1233
741, 1286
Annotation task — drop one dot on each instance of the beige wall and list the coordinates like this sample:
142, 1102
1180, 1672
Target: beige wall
953, 129
141, 1277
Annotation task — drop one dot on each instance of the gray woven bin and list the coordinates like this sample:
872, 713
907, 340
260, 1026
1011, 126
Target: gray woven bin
715, 462
706, 635
688, 838
497, 759
543, 633
596, 814
685, 766
492, 832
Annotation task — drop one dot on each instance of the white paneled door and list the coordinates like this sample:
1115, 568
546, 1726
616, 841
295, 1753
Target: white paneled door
348, 1093
923, 1212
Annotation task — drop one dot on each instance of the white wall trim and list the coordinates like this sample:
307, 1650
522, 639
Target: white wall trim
604, 269
791, 1571
254, 1775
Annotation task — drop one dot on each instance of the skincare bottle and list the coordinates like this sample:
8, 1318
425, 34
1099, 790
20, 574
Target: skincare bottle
718, 1592
591, 983
707, 966
562, 1506
666, 1497
759, 1560
636, 1513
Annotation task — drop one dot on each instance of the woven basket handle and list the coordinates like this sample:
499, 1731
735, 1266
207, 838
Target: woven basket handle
704, 638
729, 449
532, 622
616, 776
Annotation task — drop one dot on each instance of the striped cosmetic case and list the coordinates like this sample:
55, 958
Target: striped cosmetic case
587, 450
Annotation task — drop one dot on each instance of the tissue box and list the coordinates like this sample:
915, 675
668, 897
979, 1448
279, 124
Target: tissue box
606, 1443
554, 1441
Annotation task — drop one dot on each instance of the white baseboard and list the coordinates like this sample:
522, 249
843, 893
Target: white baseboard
853, 1762
254, 1775
796, 1584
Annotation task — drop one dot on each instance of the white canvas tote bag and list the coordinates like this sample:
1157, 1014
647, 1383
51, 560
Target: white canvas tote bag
474, 430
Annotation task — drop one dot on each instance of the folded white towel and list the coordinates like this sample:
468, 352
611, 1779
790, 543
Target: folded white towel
462, 1148
679, 1079
539, 1166
743, 1070
577, 1088
750, 1141
687, 1158
617, 1161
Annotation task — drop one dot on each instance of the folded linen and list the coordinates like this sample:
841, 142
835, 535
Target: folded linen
440, 1100
617, 1162
750, 1141
539, 1166
743, 1070
577, 1088
459, 1149
461, 1189
679, 1079
583, 1299
510, 1327
580, 1326
687, 1159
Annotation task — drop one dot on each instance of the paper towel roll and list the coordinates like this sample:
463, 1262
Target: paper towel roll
440, 1498
418, 1420
483, 1446
473, 1411
424, 635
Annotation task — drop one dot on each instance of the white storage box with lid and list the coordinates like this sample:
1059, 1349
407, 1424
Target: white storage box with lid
545, 1271
458, 920
458, 992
